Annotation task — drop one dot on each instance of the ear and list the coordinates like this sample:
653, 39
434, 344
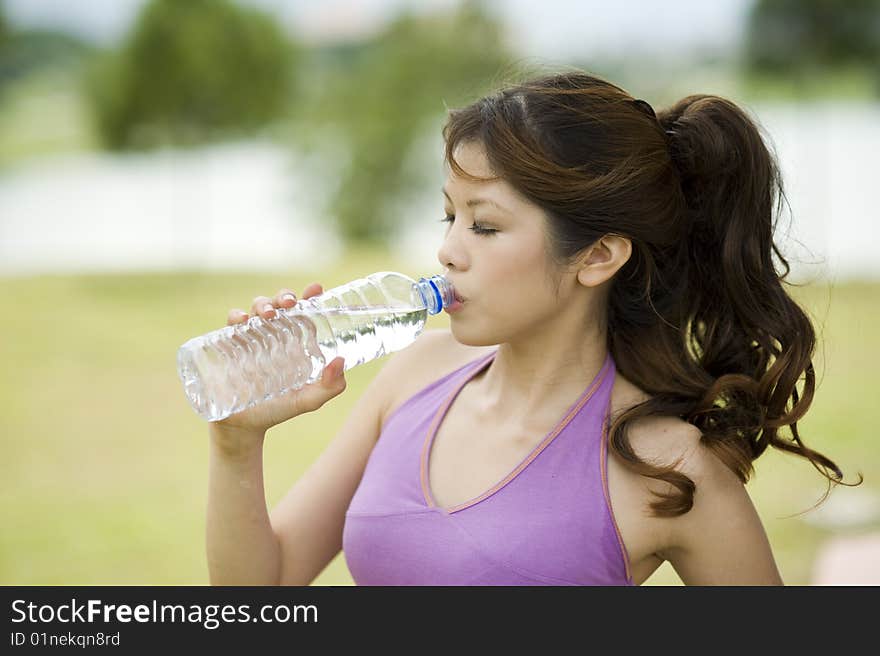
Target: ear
603, 259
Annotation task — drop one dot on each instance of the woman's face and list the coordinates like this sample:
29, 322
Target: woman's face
503, 275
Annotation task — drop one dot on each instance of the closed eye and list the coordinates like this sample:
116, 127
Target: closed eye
476, 228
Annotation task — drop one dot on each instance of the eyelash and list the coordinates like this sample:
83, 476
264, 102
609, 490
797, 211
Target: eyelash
476, 228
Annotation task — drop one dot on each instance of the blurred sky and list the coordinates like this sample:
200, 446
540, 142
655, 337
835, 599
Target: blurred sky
551, 28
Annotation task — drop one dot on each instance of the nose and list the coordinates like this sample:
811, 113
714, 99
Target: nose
450, 254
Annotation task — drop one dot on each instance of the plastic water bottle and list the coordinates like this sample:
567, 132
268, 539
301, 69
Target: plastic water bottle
238, 366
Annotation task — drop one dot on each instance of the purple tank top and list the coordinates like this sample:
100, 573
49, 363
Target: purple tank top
548, 522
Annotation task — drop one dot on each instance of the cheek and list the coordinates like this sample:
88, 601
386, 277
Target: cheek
516, 277
518, 300
521, 273
514, 293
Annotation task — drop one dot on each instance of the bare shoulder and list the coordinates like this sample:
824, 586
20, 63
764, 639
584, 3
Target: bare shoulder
721, 539
657, 440
432, 355
668, 441
660, 440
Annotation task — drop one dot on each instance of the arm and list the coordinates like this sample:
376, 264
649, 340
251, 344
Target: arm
721, 540
247, 545
242, 546
242, 549
303, 533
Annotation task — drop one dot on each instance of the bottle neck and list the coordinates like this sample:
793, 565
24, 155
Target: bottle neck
436, 292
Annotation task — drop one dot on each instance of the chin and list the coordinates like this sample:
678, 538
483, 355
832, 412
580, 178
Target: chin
467, 338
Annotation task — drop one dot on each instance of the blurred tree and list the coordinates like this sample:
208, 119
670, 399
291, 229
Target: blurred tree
25, 51
378, 98
799, 36
4, 50
192, 72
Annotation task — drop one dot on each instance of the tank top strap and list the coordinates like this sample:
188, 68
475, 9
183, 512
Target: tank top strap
442, 384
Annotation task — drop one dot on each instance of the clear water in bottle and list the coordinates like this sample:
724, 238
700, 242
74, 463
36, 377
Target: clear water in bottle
235, 367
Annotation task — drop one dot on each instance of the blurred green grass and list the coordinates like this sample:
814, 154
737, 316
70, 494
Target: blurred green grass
105, 464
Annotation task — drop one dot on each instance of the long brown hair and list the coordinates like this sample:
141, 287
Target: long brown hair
698, 317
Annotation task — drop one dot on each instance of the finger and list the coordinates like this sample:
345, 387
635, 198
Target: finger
334, 372
284, 298
314, 289
262, 306
236, 316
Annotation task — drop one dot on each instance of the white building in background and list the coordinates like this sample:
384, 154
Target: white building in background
244, 206
235, 207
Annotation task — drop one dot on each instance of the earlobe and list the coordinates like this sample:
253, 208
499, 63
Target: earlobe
587, 277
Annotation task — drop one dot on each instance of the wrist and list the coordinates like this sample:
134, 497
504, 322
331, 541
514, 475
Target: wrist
234, 442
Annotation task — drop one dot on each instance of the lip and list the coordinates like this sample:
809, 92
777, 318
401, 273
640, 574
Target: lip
456, 295
455, 307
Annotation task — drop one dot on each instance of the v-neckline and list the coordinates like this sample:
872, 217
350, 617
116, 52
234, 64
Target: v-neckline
434, 428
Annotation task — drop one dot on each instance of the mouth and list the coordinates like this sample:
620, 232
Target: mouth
459, 298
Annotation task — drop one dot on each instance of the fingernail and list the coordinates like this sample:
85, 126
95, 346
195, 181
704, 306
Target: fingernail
268, 307
289, 297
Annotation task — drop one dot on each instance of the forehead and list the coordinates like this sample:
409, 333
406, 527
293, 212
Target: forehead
471, 156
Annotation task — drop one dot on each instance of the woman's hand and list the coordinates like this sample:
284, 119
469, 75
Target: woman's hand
261, 417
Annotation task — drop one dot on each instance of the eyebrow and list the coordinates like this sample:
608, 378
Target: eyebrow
473, 202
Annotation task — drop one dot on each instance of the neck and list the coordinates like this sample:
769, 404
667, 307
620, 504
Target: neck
539, 378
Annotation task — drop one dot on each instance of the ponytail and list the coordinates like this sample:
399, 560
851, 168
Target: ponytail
751, 338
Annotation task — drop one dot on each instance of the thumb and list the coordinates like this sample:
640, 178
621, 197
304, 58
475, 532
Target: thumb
334, 372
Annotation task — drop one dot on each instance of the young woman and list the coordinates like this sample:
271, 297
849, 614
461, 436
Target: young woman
624, 351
